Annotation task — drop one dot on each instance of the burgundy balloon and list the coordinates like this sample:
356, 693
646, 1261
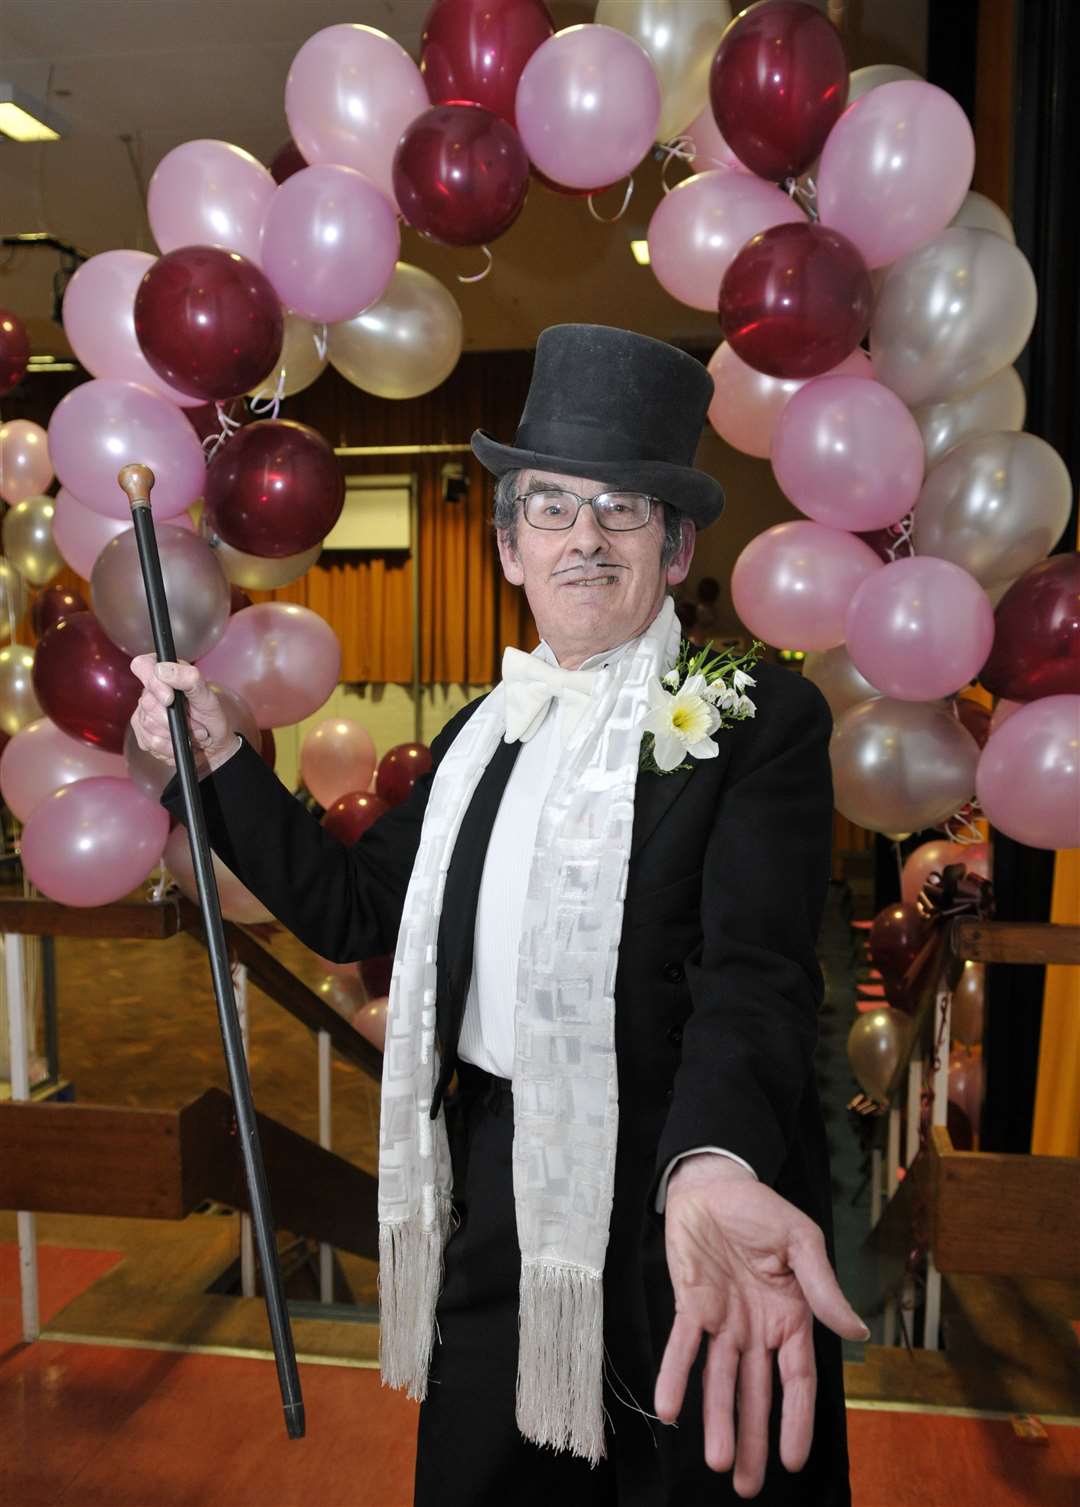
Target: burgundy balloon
208, 322
896, 938
460, 174
475, 50
352, 814
288, 159
52, 604
1036, 648
975, 717
376, 974
84, 683
399, 771
778, 85
206, 421
274, 489
796, 300
268, 748
14, 351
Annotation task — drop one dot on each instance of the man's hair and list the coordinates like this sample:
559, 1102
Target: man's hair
505, 516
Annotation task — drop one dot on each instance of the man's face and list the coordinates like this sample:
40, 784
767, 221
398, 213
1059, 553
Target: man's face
590, 588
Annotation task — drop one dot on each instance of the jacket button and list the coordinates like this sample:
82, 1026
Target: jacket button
675, 1036
673, 972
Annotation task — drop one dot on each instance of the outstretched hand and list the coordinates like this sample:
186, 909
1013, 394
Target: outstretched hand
750, 1270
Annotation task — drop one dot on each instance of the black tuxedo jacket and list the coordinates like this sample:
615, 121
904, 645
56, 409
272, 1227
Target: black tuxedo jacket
718, 985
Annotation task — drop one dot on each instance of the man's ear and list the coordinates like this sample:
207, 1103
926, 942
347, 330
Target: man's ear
511, 564
679, 565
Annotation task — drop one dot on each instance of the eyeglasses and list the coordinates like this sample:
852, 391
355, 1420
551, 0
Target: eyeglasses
556, 508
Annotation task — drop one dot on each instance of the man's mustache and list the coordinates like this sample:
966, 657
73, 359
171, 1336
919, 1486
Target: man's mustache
602, 568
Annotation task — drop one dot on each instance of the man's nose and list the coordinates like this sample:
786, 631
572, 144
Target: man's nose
586, 534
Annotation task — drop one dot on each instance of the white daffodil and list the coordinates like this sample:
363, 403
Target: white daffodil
741, 680
681, 723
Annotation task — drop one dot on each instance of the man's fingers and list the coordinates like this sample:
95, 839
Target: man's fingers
681, 1352
798, 1378
809, 1261
718, 1402
755, 1399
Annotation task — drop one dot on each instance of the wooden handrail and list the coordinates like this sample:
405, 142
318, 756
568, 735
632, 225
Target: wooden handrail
1014, 941
154, 921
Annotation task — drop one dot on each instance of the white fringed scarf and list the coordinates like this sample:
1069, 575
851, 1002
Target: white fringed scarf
566, 1109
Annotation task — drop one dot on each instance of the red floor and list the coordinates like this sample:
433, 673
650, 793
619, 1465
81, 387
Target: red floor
97, 1426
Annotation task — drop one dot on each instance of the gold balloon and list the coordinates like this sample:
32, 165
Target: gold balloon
256, 573
404, 344
875, 1043
681, 37
13, 599
303, 358
967, 1004
28, 540
18, 704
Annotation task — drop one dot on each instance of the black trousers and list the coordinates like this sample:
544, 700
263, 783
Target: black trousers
469, 1450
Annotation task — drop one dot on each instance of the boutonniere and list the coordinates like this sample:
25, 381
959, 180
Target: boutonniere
692, 703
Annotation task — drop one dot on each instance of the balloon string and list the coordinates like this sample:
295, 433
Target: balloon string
680, 149
966, 832
213, 442
804, 192
267, 402
623, 207
322, 340
904, 536
478, 277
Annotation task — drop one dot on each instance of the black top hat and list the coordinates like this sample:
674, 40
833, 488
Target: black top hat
616, 407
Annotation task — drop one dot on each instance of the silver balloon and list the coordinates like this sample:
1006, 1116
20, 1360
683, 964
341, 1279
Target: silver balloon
996, 505
680, 39
257, 572
837, 679
152, 774
18, 704
899, 766
195, 585
875, 1045
303, 358
950, 314
1000, 403
28, 540
980, 213
14, 599
406, 343
862, 80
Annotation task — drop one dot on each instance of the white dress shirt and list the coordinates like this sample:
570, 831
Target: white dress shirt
487, 1030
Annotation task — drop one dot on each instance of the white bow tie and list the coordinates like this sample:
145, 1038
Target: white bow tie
530, 684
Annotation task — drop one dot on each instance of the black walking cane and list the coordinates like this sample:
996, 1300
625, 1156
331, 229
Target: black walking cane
137, 481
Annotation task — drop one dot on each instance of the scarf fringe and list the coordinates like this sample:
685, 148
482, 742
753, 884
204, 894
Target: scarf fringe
560, 1358
410, 1276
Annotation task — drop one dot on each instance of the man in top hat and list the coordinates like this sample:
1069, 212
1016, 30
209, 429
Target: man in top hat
604, 1193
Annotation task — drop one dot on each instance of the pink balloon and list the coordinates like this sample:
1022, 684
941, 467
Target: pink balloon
93, 842
709, 147
966, 1085
80, 533
1003, 710
283, 659
922, 630
588, 105
895, 169
848, 453
99, 321
350, 93
104, 425
336, 756
792, 584
699, 227
370, 1021
934, 856
208, 193
747, 404
237, 903
330, 243
25, 467
40, 759
1028, 776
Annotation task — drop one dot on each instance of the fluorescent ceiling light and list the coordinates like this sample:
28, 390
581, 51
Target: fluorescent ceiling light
23, 118
641, 252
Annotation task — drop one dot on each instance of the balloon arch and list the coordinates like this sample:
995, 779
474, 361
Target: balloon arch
871, 307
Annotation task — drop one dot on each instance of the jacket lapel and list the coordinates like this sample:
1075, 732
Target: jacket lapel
656, 794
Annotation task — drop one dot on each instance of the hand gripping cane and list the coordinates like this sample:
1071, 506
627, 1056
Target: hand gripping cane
137, 481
